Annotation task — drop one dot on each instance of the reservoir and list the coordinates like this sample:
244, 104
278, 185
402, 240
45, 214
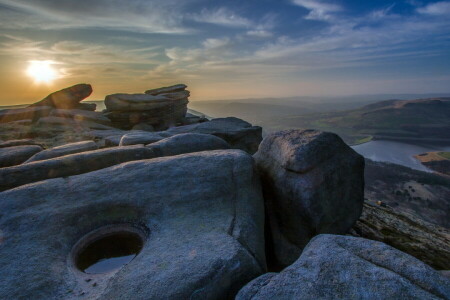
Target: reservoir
397, 152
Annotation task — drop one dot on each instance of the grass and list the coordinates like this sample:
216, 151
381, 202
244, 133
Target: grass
445, 155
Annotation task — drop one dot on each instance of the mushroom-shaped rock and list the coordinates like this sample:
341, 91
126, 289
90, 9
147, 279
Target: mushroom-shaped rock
201, 217
342, 267
313, 184
67, 98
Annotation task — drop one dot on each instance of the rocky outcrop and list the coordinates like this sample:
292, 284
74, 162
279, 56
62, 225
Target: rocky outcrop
16, 155
61, 122
338, 267
169, 89
201, 216
29, 113
313, 183
68, 98
66, 149
162, 108
238, 133
22, 142
81, 115
423, 240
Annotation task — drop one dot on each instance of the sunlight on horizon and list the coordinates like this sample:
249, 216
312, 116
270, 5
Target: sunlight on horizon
42, 71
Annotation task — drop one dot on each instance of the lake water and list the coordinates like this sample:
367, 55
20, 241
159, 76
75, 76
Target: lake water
397, 152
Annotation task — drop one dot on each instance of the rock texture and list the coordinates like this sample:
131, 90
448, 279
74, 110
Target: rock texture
81, 115
16, 155
64, 150
203, 214
238, 133
428, 242
22, 142
313, 183
30, 113
68, 98
169, 89
161, 108
338, 267
140, 137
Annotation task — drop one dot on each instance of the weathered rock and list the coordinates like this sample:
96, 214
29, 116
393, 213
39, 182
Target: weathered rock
67, 149
16, 155
165, 90
29, 113
144, 138
238, 133
87, 106
202, 215
139, 102
69, 165
187, 143
22, 142
143, 127
313, 183
67, 98
423, 240
338, 267
81, 115
65, 122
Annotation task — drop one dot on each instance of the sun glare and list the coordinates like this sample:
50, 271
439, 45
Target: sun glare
41, 71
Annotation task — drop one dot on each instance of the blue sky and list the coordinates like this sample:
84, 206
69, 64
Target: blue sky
227, 49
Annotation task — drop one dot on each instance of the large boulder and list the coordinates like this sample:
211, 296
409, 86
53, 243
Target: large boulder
140, 137
29, 113
66, 149
238, 133
69, 165
428, 242
67, 98
200, 216
16, 155
338, 267
313, 183
187, 143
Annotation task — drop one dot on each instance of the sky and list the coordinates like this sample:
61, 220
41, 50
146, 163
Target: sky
226, 49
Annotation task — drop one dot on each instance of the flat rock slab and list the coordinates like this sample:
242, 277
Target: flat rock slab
137, 102
29, 113
21, 142
238, 133
135, 138
313, 183
203, 214
341, 267
67, 149
16, 155
428, 242
167, 89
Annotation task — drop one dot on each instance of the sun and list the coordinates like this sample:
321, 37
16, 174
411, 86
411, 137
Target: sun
41, 71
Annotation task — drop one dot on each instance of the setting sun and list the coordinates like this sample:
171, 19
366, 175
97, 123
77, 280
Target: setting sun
42, 71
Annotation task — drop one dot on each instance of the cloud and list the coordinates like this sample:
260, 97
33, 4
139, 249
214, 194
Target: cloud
221, 16
150, 16
319, 10
436, 9
259, 33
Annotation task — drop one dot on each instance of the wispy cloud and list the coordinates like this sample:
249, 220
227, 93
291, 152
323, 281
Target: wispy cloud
437, 9
319, 10
221, 16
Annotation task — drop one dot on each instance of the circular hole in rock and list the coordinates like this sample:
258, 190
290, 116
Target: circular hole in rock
107, 250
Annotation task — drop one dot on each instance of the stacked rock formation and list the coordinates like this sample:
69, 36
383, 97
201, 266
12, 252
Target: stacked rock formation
161, 108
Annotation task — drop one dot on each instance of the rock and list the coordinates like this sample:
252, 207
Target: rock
201, 217
144, 138
29, 113
187, 143
238, 133
143, 127
16, 155
139, 102
67, 98
69, 165
22, 142
165, 90
67, 149
338, 267
313, 183
81, 115
87, 106
406, 232
65, 122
